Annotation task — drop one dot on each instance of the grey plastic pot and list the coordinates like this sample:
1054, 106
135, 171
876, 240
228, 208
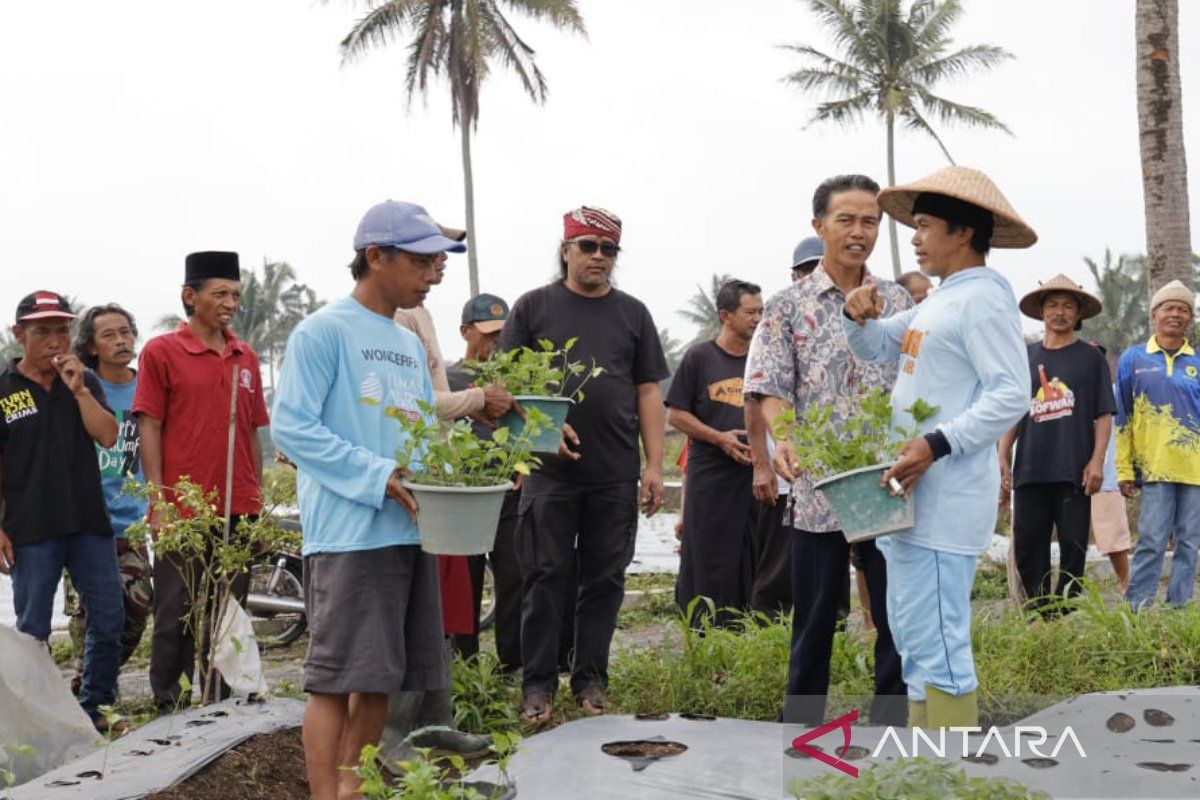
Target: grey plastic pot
864, 510
458, 520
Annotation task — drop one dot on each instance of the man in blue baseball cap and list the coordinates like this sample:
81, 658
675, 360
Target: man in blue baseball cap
807, 256
371, 594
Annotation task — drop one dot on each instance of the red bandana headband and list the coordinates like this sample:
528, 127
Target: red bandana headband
588, 221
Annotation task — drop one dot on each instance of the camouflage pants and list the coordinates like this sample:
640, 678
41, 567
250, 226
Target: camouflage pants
134, 565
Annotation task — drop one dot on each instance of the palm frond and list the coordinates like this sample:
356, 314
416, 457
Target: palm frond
514, 53
949, 111
931, 20
562, 14
915, 121
826, 80
843, 111
846, 29
379, 27
959, 63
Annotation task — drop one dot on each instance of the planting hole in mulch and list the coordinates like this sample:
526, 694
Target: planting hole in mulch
644, 748
983, 758
792, 752
1159, 766
265, 767
697, 717
1120, 723
1159, 719
852, 753
651, 717
1040, 763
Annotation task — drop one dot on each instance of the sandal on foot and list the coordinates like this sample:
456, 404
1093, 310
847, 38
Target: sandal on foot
535, 708
592, 700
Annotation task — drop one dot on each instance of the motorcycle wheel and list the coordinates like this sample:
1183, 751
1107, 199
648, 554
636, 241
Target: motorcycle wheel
487, 603
277, 629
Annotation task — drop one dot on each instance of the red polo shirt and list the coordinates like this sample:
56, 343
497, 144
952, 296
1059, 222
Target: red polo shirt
186, 385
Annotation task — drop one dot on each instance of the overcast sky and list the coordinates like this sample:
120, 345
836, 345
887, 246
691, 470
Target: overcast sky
135, 132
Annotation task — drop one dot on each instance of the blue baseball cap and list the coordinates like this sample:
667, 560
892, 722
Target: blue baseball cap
810, 249
407, 226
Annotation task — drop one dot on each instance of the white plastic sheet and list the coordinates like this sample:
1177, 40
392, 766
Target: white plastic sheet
237, 653
37, 710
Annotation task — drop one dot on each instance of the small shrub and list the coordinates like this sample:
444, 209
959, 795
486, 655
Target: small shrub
544, 371
916, 779
485, 699
431, 778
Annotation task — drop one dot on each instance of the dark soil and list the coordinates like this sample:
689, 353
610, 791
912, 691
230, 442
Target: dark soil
646, 748
265, 767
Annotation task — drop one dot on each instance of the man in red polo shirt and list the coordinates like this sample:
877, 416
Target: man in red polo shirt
182, 403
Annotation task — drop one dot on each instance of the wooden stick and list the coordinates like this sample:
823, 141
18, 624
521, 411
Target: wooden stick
214, 623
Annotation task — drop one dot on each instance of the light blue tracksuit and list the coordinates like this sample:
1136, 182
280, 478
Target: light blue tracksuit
348, 375
962, 352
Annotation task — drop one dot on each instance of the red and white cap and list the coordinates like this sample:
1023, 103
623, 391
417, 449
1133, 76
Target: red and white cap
43, 305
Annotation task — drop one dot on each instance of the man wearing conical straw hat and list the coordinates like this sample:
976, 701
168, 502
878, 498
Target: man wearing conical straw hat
960, 352
1061, 443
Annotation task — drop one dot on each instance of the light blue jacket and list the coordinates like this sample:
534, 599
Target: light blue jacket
961, 351
348, 374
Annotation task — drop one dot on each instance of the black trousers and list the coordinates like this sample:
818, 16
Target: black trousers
173, 642
1038, 510
506, 589
588, 528
820, 563
772, 590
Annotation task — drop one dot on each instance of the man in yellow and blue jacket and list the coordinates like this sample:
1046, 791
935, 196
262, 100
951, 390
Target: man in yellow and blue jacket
1158, 439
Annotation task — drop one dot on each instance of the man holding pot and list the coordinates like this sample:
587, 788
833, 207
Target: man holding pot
799, 357
582, 508
1060, 443
961, 352
349, 373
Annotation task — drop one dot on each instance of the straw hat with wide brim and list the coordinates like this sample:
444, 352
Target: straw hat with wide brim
1089, 304
969, 185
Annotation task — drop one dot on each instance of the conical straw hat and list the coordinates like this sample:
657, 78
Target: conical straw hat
1089, 304
966, 184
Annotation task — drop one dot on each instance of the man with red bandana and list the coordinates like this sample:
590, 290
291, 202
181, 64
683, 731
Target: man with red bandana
582, 508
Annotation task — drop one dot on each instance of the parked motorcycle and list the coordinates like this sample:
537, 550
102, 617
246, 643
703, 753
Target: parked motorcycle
276, 599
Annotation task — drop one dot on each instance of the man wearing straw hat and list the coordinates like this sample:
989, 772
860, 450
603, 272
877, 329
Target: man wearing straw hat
1158, 436
1061, 442
961, 352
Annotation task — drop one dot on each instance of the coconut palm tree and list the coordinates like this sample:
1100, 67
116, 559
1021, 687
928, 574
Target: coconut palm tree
1121, 287
1160, 126
701, 310
891, 56
461, 39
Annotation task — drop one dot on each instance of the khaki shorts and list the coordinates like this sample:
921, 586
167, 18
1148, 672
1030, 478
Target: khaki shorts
1110, 523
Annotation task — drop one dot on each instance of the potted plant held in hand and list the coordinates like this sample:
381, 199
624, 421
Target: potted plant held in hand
542, 378
848, 461
459, 479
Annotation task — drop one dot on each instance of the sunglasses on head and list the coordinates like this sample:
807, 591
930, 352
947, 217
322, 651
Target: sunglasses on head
589, 246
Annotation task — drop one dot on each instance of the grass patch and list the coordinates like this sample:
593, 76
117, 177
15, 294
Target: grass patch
991, 581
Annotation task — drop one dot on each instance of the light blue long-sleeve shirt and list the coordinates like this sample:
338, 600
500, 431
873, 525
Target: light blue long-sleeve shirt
961, 351
348, 375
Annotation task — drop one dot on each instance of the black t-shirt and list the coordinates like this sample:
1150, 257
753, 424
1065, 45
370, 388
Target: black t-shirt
1071, 388
708, 385
49, 475
618, 332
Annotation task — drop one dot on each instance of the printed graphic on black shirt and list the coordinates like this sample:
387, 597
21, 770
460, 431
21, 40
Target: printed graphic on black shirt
728, 391
18, 405
1054, 399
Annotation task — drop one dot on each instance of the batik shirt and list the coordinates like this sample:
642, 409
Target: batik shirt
799, 354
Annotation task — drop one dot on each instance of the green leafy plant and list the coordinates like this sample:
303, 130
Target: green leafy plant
484, 697
916, 779
865, 439
452, 455
544, 371
425, 777
8, 776
192, 534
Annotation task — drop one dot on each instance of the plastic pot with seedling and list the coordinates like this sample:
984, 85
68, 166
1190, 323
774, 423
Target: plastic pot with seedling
847, 461
542, 378
459, 479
